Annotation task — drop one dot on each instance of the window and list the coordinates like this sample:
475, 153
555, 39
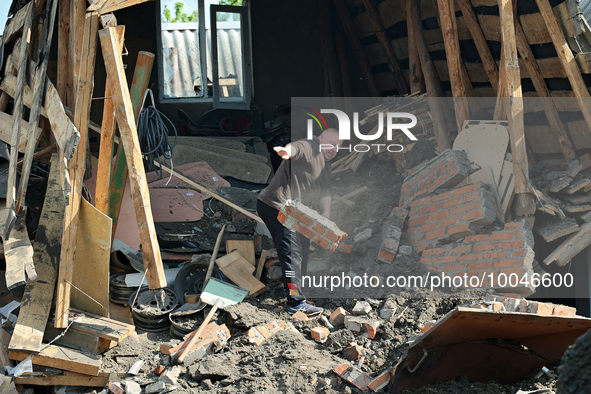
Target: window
221, 73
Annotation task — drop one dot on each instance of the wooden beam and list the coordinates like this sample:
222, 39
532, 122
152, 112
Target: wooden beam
6, 122
65, 379
434, 91
36, 301
105, 159
17, 21
129, 138
571, 247
141, 77
63, 358
343, 62
566, 57
34, 132
535, 74
64, 79
106, 6
77, 169
417, 81
327, 48
355, 43
454, 61
500, 112
101, 326
42, 153
393, 65
488, 62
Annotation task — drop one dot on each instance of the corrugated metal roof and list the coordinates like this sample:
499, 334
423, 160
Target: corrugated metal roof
180, 51
586, 9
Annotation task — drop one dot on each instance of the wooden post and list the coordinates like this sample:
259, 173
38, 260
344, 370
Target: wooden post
417, 81
432, 83
355, 43
488, 62
376, 22
77, 168
501, 104
129, 138
105, 159
327, 48
454, 60
513, 88
343, 62
141, 77
535, 74
566, 58
64, 79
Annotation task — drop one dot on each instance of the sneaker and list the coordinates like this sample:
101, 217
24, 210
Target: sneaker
307, 307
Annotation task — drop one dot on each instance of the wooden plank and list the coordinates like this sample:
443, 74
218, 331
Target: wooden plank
577, 184
139, 187
571, 247
63, 36
77, 340
106, 6
36, 301
77, 169
553, 227
454, 61
105, 159
141, 77
18, 21
355, 43
9, 214
566, 57
488, 62
417, 81
393, 65
229, 258
34, 132
331, 68
6, 122
536, 76
261, 264
245, 247
63, 358
576, 208
91, 263
66, 378
101, 326
240, 271
18, 253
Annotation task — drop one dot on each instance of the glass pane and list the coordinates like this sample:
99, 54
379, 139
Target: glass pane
230, 54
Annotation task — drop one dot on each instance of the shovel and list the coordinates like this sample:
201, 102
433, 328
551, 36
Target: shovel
219, 295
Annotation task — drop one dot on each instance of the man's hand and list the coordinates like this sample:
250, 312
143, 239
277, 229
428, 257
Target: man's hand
284, 151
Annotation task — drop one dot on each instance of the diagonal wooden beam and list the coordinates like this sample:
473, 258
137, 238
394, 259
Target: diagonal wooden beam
106, 6
535, 74
417, 81
566, 58
129, 138
488, 62
355, 43
393, 65
77, 168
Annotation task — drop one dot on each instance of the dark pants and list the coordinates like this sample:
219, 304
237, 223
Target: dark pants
292, 250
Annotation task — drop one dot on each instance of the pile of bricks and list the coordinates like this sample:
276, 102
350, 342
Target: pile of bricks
391, 232
509, 251
211, 340
444, 171
306, 221
509, 304
450, 215
258, 334
362, 381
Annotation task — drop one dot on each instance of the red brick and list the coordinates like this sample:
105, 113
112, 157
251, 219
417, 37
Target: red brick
448, 222
471, 257
159, 369
426, 260
508, 271
472, 196
306, 232
445, 259
441, 197
462, 249
459, 209
463, 190
518, 253
435, 166
502, 236
319, 228
414, 212
453, 171
323, 243
341, 369
496, 255
435, 184
510, 245
454, 268
452, 203
405, 187
417, 221
416, 240
300, 217
477, 238
506, 263
476, 205
346, 248
319, 334
474, 215
483, 265
281, 217
379, 381
435, 268
427, 227
338, 316
459, 230
437, 216
435, 234
420, 247
513, 225
563, 310
334, 237
541, 308
434, 252
412, 231
484, 247
430, 208
387, 255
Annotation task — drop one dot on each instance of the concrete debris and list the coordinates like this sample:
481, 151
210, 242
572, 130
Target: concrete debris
361, 308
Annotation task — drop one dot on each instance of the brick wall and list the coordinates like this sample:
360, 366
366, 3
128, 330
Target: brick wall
306, 221
391, 232
509, 251
450, 215
444, 171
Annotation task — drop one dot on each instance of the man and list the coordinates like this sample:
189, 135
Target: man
304, 174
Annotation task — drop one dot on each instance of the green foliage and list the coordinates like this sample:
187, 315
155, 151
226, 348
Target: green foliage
231, 2
180, 16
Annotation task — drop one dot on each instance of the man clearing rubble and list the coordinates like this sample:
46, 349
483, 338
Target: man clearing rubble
304, 174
